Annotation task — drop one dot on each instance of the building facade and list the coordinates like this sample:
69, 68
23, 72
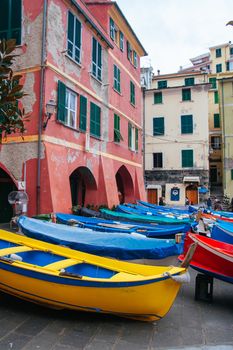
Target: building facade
82, 57
176, 133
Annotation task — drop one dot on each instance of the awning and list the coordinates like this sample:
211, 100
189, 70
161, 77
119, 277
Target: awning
153, 187
191, 179
203, 190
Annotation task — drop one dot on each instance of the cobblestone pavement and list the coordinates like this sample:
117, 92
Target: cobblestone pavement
189, 325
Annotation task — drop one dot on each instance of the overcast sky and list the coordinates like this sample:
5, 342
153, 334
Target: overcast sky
173, 31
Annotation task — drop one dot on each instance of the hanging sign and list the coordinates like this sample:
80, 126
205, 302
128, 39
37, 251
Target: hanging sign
175, 194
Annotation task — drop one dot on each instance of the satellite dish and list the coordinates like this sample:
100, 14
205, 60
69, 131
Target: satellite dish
17, 196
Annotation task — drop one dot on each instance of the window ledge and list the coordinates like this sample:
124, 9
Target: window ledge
118, 92
186, 101
68, 126
96, 79
96, 137
73, 60
133, 105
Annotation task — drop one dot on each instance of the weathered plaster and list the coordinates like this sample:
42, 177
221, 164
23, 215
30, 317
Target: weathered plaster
30, 99
13, 156
72, 156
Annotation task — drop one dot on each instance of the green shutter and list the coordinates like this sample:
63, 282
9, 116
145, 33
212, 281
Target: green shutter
61, 102
158, 97
95, 120
162, 84
129, 135
187, 158
99, 62
213, 81
136, 139
231, 174
186, 94
78, 33
10, 20
112, 29
117, 134
132, 93
216, 120
158, 126
189, 81
186, 124
83, 113
216, 97
121, 41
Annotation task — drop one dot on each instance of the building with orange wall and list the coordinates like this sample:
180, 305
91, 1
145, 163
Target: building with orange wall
83, 57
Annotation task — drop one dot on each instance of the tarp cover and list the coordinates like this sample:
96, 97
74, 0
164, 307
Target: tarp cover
223, 232
118, 245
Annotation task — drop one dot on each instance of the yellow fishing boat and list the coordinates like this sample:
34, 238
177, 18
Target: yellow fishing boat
62, 278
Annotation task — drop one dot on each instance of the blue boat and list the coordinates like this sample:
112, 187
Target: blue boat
139, 209
163, 208
148, 230
223, 231
116, 245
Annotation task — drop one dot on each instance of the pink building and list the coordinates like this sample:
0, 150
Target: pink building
83, 58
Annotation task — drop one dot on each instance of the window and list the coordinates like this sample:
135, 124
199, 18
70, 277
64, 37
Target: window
216, 142
218, 68
95, 120
83, 113
158, 126
231, 174
158, 97
10, 20
67, 106
112, 30
231, 50
189, 81
117, 79
132, 93
218, 52
96, 59
135, 59
121, 41
186, 94
186, 124
213, 82
132, 137
74, 37
187, 158
117, 133
216, 120
157, 160
216, 97
162, 84
129, 51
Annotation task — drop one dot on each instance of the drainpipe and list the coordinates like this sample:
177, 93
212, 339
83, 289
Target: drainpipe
143, 130
223, 137
42, 88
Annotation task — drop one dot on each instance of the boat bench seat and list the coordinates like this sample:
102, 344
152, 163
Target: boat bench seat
58, 265
13, 250
123, 275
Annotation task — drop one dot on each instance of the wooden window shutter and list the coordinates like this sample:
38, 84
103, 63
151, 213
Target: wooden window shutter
61, 102
83, 113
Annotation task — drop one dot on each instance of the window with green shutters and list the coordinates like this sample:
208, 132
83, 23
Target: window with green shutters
10, 20
186, 94
121, 41
112, 29
132, 93
216, 120
157, 160
216, 97
186, 124
117, 132
189, 81
135, 59
129, 51
117, 78
67, 106
187, 158
83, 113
95, 115
158, 97
231, 174
162, 84
74, 37
218, 68
158, 126
96, 59
218, 52
213, 81
132, 137
130, 129
231, 50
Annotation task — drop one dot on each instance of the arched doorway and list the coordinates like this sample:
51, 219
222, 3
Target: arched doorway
125, 185
81, 182
6, 186
192, 194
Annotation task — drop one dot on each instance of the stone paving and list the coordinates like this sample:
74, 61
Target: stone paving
189, 325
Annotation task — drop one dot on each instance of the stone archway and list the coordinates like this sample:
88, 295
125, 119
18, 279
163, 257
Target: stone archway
125, 185
82, 186
6, 186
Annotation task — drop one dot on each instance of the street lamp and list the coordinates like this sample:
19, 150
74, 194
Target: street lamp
50, 110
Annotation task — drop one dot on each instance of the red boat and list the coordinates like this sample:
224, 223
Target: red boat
211, 257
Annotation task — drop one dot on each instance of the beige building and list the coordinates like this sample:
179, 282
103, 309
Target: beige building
176, 137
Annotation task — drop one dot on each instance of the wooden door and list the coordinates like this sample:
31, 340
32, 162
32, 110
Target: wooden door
192, 195
152, 196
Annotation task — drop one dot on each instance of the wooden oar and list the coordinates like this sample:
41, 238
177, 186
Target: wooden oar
188, 257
